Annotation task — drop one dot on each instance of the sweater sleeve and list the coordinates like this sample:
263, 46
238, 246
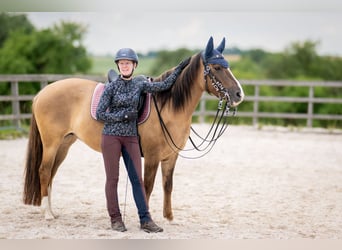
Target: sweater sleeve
163, 85
104, 103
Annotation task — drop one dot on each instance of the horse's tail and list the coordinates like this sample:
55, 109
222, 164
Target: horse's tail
32, 195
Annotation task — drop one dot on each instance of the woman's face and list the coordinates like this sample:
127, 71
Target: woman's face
126, 67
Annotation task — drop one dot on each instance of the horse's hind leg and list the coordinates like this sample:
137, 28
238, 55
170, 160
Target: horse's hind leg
45, 174
168, 167
59, 158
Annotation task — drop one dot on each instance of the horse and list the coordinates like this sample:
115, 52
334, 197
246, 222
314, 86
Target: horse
60, 116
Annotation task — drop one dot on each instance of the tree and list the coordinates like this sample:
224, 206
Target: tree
299, 60
56, 50
12, 23
250, 65
305, 56
167, 59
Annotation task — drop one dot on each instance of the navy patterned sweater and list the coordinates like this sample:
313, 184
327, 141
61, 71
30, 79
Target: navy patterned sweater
121, 97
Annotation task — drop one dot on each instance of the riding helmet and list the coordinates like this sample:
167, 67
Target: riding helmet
126, 53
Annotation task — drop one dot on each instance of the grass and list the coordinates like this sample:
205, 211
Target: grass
12, 133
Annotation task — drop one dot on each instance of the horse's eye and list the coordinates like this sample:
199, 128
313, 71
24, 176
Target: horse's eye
217, 67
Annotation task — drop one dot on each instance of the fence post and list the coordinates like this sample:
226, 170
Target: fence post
310, 107
256, 105
15, 104
43, 84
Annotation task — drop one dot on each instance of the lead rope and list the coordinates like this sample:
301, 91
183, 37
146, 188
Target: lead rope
211, 144
124, 213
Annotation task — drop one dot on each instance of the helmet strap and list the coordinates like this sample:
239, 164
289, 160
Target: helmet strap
127, 77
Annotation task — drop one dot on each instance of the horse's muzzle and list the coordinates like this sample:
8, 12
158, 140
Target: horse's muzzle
234, 97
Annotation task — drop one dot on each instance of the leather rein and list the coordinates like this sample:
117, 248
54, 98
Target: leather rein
215, 131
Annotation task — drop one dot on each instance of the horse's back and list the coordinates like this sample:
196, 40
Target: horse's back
64, 107
66, 87
64, 93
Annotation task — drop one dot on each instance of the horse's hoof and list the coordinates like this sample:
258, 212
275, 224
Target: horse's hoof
168, 216
49, 216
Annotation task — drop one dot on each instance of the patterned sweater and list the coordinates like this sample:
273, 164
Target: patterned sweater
121, 97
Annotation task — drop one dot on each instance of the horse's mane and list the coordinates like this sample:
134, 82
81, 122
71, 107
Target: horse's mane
180, 92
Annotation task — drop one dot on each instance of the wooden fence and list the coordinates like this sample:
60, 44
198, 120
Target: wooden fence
15, 97
310, 100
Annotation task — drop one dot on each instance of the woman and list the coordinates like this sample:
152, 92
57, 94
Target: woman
118, 110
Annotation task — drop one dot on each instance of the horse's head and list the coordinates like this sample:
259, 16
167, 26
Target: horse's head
219, 80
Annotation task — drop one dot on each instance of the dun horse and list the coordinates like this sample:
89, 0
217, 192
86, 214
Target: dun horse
61, 115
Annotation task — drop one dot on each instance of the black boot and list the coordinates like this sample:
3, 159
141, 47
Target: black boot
150, 227
119, 226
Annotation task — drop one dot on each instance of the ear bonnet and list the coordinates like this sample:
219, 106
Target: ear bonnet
214, 56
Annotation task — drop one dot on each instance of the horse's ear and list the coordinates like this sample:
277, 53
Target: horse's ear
220, 48
209, 49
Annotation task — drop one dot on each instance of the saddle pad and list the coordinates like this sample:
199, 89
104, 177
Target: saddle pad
145, 110
96, 99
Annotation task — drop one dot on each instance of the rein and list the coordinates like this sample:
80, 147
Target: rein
215, 130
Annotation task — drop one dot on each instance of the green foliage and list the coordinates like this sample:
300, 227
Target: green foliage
246, 68
329, 68
12, 23
8, 134
299, 61
168, 59
25, 50
55, 50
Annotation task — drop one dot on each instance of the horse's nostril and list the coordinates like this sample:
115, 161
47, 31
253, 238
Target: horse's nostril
238, 94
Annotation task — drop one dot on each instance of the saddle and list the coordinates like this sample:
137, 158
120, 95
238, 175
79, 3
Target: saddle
144, 107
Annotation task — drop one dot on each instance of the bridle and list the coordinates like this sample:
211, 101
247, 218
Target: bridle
218, 86
215, 131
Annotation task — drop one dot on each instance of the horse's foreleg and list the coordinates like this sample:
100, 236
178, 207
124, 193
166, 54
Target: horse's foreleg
167, 172
150, 171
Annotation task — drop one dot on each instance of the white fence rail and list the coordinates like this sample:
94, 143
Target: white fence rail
310, 99
15, 98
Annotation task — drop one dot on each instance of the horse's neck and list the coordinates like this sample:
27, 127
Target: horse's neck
185, 114
195, 99
189, 109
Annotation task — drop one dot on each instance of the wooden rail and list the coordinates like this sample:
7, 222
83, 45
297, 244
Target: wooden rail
15, 98
310, 100
255, 114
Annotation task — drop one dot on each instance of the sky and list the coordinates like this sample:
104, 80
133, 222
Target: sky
247, 24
